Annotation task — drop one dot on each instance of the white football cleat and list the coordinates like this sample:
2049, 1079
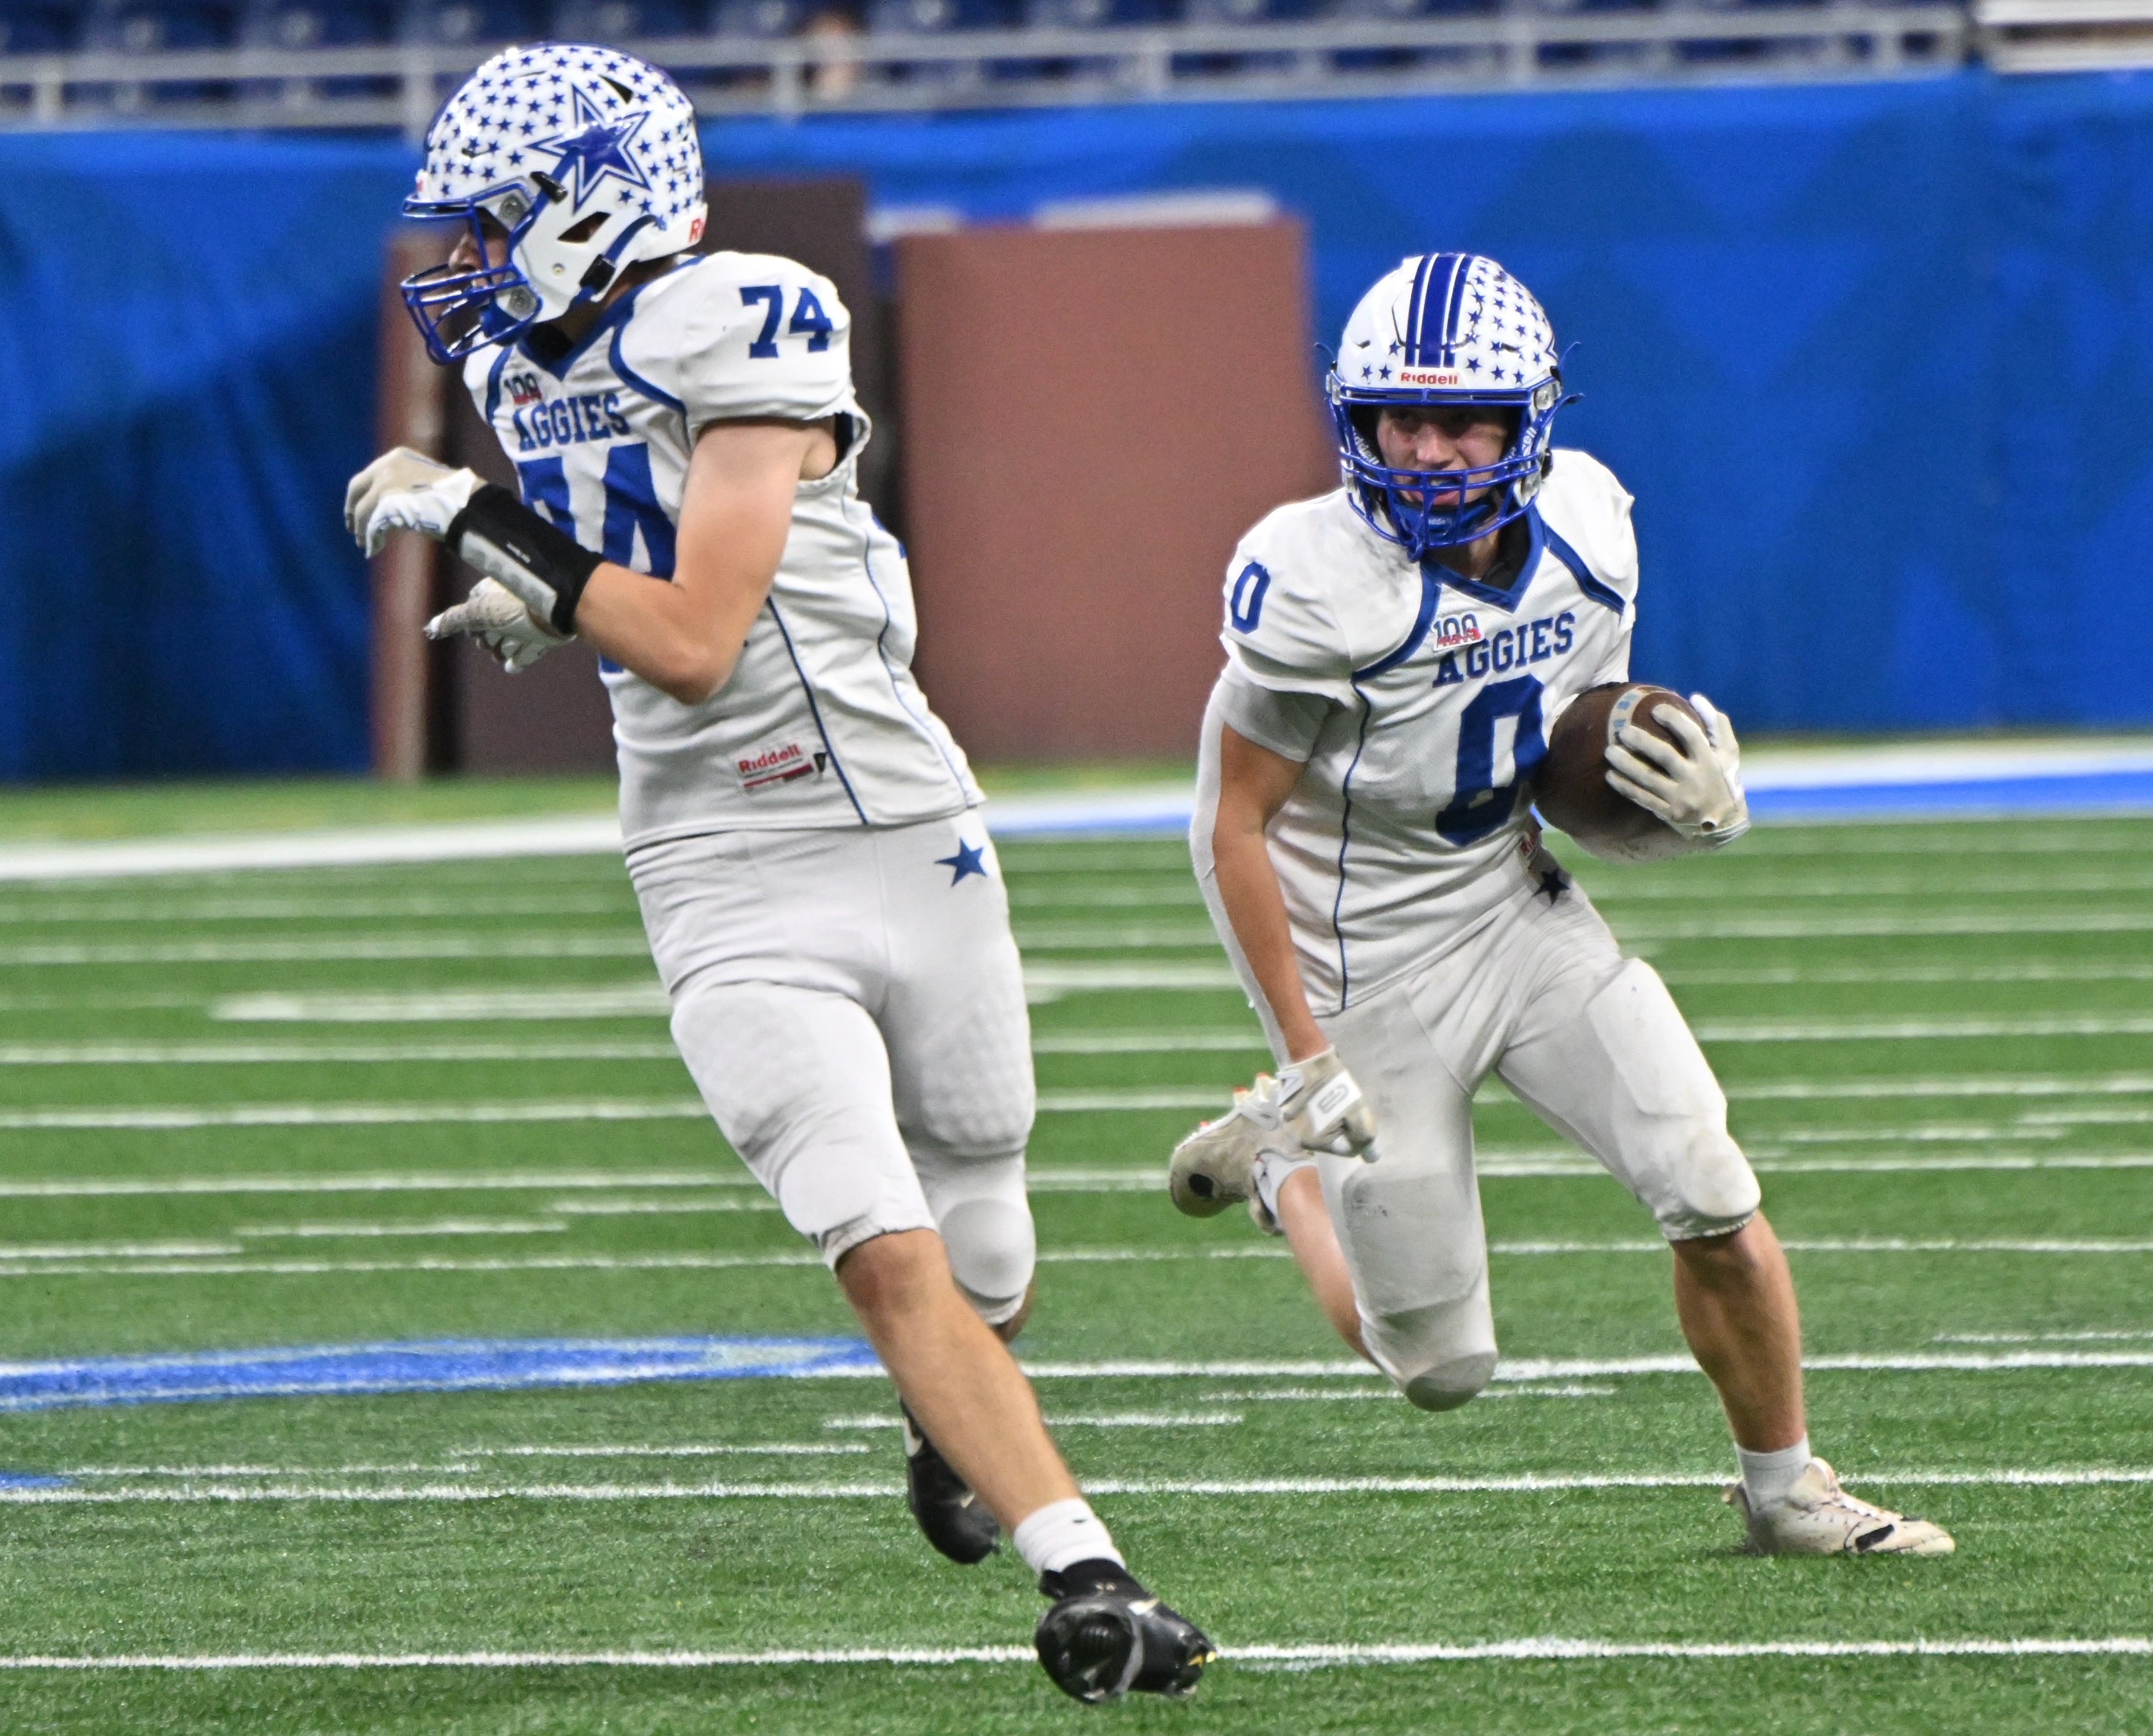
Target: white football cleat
1819, 1518
1215, 1165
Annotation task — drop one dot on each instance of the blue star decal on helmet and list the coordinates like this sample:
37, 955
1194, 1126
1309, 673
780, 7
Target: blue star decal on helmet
598, 150
970, 859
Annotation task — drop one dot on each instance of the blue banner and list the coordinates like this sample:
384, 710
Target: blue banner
1876, 360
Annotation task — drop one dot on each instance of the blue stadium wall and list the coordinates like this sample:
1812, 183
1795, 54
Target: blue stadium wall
1876, 360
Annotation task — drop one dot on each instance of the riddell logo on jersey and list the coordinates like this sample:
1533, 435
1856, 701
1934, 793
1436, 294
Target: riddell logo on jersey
769, 767
1452, 631
1429, 377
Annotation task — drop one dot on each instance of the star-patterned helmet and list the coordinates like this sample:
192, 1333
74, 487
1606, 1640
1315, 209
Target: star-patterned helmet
1445, 329
584, 159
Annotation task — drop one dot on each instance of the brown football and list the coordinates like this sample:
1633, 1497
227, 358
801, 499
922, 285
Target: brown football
1571, 788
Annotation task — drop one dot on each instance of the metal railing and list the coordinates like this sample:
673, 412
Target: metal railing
1522, 46
2065, 36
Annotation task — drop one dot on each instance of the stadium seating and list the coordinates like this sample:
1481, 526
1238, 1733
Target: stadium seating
392, 59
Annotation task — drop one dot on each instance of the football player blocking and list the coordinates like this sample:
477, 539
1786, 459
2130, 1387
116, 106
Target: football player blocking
822, 901
1397, 654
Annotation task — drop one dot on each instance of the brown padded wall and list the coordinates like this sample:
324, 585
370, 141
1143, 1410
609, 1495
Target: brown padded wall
1091, 420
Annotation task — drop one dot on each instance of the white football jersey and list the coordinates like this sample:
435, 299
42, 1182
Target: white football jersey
821, 723
1421, 702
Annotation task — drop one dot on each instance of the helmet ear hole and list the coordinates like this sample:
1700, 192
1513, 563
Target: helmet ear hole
585, 230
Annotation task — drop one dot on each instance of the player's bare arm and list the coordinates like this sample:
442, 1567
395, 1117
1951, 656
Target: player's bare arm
1254, 783
735, 514
683, 637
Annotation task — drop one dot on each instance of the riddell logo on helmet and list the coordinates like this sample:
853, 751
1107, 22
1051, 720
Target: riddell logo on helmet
1429, 377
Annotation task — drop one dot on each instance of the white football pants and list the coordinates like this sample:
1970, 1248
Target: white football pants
850, 1007
1539, 993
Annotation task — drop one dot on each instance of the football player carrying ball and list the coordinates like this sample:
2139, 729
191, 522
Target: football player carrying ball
1398, 653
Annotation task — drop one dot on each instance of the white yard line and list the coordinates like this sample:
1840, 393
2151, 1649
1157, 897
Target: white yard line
1121, 1419
1214, 1098
1171, 890
328, 908
475, 840
236, 1054
513, 1181
598, 1001
63, 1263
804, 1449
1928, 1029
1538, 1369
1149, 1042
2091, 970
2059, 1120
2003, 1085
214, 1268
1563, 1164
115, 1250
161, 1116
2039, 1337
1316, 1395
628, 944
660, 1208
1755, 887
1542, 1650
1893, 926
1114, 937
1918, 1133
248, 1492
217, 1054
1104, 1100
1496, 1161
1043, 982
437, 1226
1969, 1160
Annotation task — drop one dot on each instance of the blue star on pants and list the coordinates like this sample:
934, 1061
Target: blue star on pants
970, 859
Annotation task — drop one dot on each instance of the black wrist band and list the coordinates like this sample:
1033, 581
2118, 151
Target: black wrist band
549, 554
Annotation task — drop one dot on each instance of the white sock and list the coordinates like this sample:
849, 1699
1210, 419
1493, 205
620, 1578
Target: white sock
1062, 1534
1271, 1170
1770, 1476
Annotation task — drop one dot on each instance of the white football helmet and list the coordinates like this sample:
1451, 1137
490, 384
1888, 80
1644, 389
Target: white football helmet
1449, 329
586, 158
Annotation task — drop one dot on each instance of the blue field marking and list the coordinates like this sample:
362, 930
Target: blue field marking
2086, 793
2090, 792
437, 1365
32, 1479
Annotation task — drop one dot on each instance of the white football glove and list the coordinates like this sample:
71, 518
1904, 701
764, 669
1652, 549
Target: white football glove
498, 619
405, 489
1312, 1105
1695, 788
1322, 1106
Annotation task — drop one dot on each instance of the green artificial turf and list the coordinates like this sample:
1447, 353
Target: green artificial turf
1935, 1039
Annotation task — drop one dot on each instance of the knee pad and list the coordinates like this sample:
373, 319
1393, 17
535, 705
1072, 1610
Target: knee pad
1438, 1357
985, 1223
1711, 1190
1451, 1384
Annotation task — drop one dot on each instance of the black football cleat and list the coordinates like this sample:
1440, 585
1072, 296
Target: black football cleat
947, 1512
1104, 1635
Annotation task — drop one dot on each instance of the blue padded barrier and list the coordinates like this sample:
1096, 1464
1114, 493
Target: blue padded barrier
1877, 361
186, 352
1809, 324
